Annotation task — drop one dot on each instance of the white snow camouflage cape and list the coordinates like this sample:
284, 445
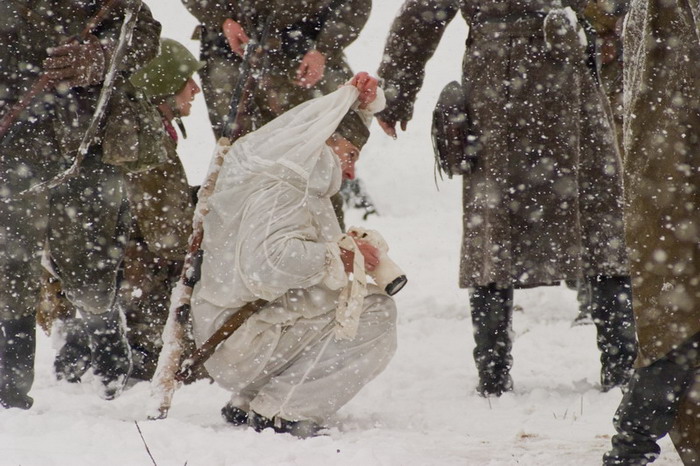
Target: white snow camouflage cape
271, 227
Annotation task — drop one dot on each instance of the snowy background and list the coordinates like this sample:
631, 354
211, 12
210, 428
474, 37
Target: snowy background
423, 410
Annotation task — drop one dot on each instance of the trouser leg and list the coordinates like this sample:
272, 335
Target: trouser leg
611, 309
492, 312
17, 346
144, 294
325, 373
111, 355
583, 296
649, 408
88, 231
22, 237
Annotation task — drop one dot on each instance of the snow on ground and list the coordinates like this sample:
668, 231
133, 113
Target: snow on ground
423, 409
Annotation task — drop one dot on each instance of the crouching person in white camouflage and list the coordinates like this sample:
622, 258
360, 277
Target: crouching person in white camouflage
271, 234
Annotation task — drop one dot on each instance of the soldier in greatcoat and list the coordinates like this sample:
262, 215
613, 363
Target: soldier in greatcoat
84, 220
662, 222
543, 200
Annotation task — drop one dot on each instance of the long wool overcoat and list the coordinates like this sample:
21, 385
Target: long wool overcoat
544, 202
662, 140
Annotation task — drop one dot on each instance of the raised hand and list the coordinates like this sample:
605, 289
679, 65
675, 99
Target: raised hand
367, 85
236, 36
311, 69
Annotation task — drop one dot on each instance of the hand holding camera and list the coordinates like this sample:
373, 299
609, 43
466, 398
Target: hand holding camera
383, 271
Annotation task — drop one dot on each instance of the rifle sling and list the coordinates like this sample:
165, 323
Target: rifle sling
208, 348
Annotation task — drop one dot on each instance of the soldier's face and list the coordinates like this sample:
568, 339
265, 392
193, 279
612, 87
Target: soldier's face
185, 97
347, 153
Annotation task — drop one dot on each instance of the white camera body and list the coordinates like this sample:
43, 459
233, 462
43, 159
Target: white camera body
387, 275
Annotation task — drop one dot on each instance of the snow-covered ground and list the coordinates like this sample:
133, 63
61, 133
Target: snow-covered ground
423, 409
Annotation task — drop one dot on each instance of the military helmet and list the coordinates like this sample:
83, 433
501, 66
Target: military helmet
167, 73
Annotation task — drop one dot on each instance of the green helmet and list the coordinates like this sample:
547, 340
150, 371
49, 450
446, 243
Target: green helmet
166, 74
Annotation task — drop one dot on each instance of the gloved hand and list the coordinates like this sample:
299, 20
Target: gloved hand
78, 64
564, 36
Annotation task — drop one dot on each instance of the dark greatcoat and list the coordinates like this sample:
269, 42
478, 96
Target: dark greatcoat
545, 200
309, 22
662, 137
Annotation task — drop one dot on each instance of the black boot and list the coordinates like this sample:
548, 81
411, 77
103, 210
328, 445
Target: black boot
235, 415
73, 359
111, 355
492, 311
300, 429
17, 347
611, 309
647, 412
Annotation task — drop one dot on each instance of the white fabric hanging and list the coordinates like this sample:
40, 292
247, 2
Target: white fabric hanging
271, 227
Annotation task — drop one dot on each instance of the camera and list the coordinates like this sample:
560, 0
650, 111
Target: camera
388, 276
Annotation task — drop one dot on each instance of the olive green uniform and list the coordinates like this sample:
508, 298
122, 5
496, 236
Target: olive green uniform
162, 210
297, 27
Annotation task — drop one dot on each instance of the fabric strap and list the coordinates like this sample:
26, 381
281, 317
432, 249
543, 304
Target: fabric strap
351, 299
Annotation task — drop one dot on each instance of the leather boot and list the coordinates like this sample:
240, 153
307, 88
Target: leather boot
111, 355
17, 347
611, 309
234, 415
74, 357
647, 412
300, 429
492, 311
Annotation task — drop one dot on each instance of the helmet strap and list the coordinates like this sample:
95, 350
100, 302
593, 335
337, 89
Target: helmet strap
181, 125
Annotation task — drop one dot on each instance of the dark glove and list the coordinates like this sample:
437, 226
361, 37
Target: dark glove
563, 37
78, 64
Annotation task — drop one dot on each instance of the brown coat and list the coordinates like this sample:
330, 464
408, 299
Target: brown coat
662, 146
544, 202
